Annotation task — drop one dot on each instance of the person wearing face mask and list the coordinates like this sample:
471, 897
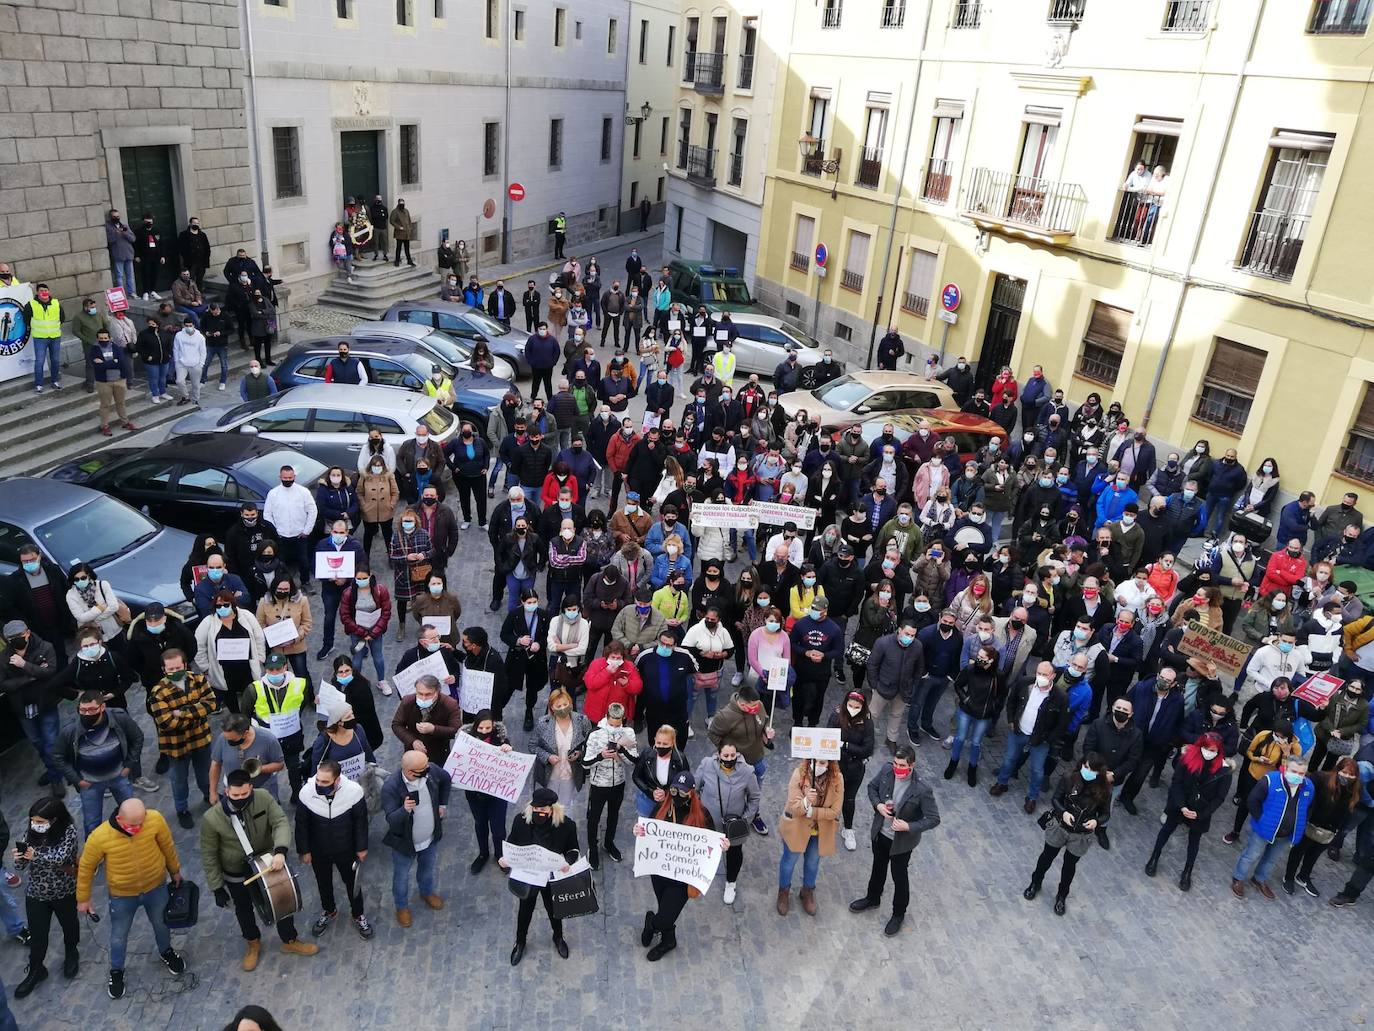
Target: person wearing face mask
1278, 806
365, 611
568, 637
1116, 664
1267, 751
337, 541
290, 508
229, 673
181, 704
99, 752
810, 817
1081, 804
1336, 794
1120, 742
488, 811
96, 667
817, 644
1321, 636
1038, 715
331, 835
264, 571
524, 634
153, 632
1285, 570
275, 702
1157, 708
980, 692
959, 378
49, 857
413, 558
612, 679
638, 626
544, 823
437, 606
666, 672
1345, 717
427, 720
414, 803
560, 740
710, 644
336, 498
239, 743
1231, 566
856, 725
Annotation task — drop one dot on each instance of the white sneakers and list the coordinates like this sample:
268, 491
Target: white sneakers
221, 386
736, 680
849, 841
729, 893
464, 525
384, 687
157, 399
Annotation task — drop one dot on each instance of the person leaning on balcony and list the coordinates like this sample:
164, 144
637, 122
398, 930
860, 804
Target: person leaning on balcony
1133, 207
1155, 193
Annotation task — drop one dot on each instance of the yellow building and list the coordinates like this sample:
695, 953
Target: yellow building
995, 147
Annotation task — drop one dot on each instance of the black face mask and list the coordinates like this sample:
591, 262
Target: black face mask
681, 804
664, 750
240, 804
90, 721
541, 818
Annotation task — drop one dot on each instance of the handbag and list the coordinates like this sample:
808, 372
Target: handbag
706, 681
572, 896
857, 655
419, 572
675, 357
1321, 835
373, 778
736, 827
183, 906
1340, 745
122, 614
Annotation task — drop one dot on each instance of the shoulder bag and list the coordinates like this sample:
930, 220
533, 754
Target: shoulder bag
736, 827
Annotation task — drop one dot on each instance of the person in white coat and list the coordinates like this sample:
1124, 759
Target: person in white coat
291, 509
188, 353
93, 602
569, 635
1281, 657
377, 446
217, 650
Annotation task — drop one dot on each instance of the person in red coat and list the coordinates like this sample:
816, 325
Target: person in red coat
1285, 570
1003, 386
611, 678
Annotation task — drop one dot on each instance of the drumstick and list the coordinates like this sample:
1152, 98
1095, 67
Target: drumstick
259, 875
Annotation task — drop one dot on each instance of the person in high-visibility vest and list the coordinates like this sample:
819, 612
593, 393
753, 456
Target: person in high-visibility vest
560, 233
723, 361
275, 702
45, 330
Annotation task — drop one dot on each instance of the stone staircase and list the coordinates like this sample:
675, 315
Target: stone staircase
377, 285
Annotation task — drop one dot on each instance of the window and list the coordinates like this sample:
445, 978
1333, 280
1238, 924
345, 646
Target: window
1297, 163
518, 25
274, 3
663, 136
801, 247
855, 261
386, 373
844, 332
736, 171
1229, 385
410, 155
605, 139
328, 420
438, 10
968, 14
577, 31
638, 132
643, 40
920, 279
1147, 183
313, 368
555, 142
1357, 460
820, 105
343, 9
684, 135
1340, 17
560, 26
658, 193
949, 116
1104, 343
672, 43
1067, 12
286, 157
748, 42
150, 477
492, 16
381, 424
405, 12
491, 243
612, 35
793, 310
206, 482
871, 158
491, 148
1186, 15
677, 231
689, 63
634, 194
288, 420
830, 16
894, 13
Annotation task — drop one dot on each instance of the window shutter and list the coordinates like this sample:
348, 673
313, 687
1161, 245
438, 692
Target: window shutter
1364, 419
857, 259
1235, 367
1109, 327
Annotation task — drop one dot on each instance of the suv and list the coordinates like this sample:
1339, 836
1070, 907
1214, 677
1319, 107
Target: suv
434, 341
718, 287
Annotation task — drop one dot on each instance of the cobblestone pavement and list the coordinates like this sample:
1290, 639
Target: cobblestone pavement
1131, 953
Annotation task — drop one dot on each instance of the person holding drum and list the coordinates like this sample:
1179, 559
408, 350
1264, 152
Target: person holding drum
243, 846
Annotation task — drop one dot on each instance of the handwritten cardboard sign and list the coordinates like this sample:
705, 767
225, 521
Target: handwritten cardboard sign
1201, 642
686, 854
477, 766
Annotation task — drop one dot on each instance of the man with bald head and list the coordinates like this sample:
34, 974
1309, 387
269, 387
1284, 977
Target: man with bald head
414, 802
136, 846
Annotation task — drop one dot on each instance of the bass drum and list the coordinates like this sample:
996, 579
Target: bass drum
277, 893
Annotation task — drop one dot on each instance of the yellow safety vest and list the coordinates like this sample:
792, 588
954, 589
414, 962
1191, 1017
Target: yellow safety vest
560, 224
725, 366
284, 719
46, 322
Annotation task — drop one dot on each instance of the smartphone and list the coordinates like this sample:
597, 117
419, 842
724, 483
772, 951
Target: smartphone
414, 796
21, 845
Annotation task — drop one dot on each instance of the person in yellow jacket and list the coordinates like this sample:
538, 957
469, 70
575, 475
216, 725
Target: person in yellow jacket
136, 847
723, 361
45, 332
440, 387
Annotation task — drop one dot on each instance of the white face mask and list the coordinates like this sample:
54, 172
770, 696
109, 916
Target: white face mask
854, 710
1042, 681
1208, 753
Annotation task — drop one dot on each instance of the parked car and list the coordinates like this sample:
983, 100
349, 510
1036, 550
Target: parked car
971, 433
71, 523
431, 341
764, 341
860, 394
194, 482
392, 363
329, 421
466, 323
718, 287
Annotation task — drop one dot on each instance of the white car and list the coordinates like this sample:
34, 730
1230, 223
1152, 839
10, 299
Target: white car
859, 395
434, 341
763, 344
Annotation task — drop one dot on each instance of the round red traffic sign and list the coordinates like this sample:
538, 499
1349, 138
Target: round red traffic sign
515, 191
488, 208
950, 297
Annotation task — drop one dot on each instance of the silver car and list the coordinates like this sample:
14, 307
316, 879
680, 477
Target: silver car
466, 323
763, 344
446, 346
331, 421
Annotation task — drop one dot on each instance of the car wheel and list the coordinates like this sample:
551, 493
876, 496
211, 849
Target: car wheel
807, 379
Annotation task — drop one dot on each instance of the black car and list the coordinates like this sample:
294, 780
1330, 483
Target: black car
194, 482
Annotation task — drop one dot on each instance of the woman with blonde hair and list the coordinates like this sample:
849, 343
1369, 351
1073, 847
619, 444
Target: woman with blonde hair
972, 604
810, 819
560, 737
672, 480
544, 823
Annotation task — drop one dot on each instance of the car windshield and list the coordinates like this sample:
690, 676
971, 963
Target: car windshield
454, 351
800, 337
248, 408
723, 291
266, 468
843, 393
100, 530
439, 419
487, 325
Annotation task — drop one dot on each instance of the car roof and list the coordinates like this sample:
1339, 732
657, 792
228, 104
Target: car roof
434, 304
707, 268
876, 378
943, 420
28, 499
227, 449
357, 397
410, 330
389, 347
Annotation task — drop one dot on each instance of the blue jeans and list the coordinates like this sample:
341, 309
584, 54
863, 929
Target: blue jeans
211, 353
9, 910
1218, 511
556, 590
693, 694
644, 805
123, 275
514, 585
971, 730
7, 1022
424, 874
46, 350
374, 646
995, 521
122, 912
157, 378
1017, 743
93, 799
41, 730
194, 313
811, 864
1266, 853
198, 760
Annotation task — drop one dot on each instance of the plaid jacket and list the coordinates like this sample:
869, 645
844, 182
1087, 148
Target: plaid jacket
179, 736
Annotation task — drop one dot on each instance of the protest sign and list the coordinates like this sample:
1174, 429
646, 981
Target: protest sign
775, 513
1204, 643
474, 693
777, 674
535, 858
281, 633
116, 300
1319, 688
727, 517
686, 854
815, 742
477, 766
333, 565
443, 624
232, 649
403, 680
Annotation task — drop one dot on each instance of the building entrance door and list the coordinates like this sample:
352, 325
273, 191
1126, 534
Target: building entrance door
150, 188
359, 154
999, 336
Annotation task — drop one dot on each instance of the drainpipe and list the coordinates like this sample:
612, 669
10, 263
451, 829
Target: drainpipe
1197, 238
507, 205
897, 196
253, 150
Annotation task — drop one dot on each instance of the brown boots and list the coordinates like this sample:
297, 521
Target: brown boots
251, 952
808, 901
807, 896
784, 901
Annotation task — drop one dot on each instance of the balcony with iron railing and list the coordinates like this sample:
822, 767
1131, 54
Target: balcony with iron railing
968, 14
736, 169
701, 166
708, 72
894, 14
1024, 205
935, 185
682, 148
1137, 214
1274, 244
1340, 17
852, 280
1186, 15
870, 172
830, 19
1066, 12
915, 303
801, 261
813, 157
746, 72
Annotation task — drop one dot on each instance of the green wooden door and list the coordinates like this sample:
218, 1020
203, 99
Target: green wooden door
150, 188
361, 174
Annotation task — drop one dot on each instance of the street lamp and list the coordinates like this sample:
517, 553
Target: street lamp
645, 110
815, 161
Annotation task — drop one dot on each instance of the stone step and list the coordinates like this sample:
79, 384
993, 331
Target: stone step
377, 286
